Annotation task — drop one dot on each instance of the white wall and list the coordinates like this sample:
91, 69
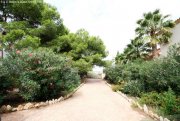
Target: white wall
174, 39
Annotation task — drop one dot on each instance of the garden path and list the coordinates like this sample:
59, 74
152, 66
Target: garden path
94, 101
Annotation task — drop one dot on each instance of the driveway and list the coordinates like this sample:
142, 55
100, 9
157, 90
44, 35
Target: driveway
94, 101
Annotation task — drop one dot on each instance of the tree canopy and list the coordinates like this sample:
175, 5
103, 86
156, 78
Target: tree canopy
38, 24
153, 29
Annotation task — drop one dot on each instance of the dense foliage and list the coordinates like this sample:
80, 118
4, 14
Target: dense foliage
85, 50
155, 76
138, 72
43, 73
39, 74
153, 29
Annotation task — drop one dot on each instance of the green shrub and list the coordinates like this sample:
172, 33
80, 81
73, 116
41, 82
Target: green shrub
114, 74
131, 71
169, 103
152, 98
116, 87
29, 88
5, 83
134, 88
40, 74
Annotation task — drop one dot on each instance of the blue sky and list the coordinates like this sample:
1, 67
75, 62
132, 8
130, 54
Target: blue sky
113, 20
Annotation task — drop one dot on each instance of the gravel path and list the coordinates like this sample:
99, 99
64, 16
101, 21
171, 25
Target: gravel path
94, 101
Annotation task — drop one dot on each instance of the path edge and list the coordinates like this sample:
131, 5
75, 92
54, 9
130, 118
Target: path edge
144, 108
31, 105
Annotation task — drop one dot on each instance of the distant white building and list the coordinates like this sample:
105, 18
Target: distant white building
174, 39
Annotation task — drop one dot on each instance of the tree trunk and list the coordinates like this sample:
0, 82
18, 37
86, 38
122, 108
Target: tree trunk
154, 50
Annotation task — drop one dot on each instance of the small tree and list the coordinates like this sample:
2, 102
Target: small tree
154, 28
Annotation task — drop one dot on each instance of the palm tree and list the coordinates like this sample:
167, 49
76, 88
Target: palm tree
120, 58
136, 49
154, 28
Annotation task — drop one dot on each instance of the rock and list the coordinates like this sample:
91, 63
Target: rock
20, 107
28, 106
139, 106
47, 102
161, 118
37, 105
50, 102
151, 113
3, 109
62, 98
145, 109
165, 119
14, 109
56, 100
130, 100
156, 116
9, 108
42, 104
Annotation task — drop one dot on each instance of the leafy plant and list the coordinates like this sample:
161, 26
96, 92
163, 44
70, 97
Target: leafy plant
151, 98
40, 74
169, 103
133, 88
116, 87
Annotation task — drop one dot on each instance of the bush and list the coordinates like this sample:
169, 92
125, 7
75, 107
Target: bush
40, 74
29, 89
113, 74
167, 101
134, 88
131, 71
5, 83
116, 87
152, 98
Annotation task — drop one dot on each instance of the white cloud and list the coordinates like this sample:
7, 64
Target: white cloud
113, 20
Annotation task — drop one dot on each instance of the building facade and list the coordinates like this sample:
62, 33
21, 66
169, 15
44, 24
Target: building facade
174, 39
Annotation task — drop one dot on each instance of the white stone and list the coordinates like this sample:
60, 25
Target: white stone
47, 102
3, 109
161, 118
20, 107
9, 108
60, 99
28, 106
130, 100
37, 105
14, 109
151, 113
165, 119
145, 109
139, 106
50, 102
42, 104
156, 116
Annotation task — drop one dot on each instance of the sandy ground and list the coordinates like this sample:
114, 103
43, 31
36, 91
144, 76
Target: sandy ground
94, 101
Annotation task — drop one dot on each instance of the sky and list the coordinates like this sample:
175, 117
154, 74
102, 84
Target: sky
114, 21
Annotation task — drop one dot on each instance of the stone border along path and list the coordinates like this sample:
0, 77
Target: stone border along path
144, 108
30, 105
94, 101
